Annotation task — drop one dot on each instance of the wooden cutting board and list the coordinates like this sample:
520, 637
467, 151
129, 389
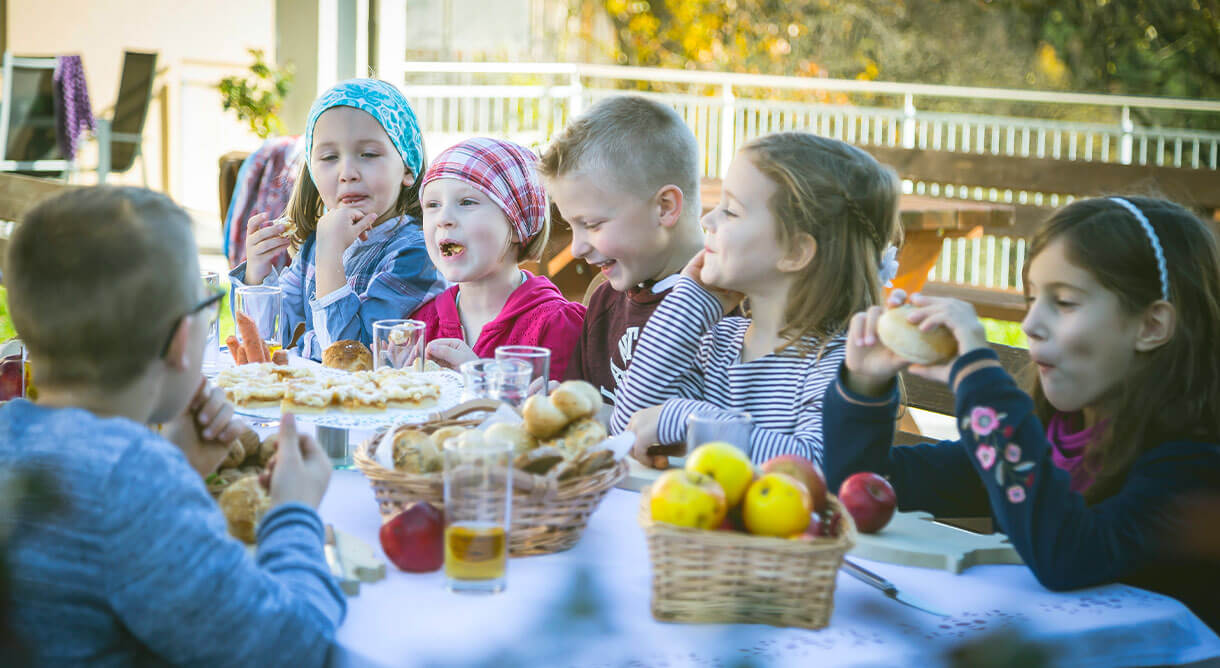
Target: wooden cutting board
913, 539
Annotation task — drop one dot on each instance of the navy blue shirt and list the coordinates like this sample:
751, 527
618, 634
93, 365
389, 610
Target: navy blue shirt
1002, 467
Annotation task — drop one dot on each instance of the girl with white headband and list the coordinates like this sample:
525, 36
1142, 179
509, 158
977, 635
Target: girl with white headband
1094, 474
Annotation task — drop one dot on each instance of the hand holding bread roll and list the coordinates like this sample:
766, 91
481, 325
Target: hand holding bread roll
908, 341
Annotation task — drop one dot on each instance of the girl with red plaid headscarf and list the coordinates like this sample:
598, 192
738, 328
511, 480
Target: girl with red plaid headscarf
484, 211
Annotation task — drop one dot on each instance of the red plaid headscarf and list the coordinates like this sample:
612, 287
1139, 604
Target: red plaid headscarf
505, 172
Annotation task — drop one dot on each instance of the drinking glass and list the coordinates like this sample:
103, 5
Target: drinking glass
13, 371
478, 507
733, 427
508, 380
211, 349
539, 360
399, 344
264, 305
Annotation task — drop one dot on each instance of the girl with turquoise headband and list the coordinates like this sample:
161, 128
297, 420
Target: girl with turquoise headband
353, 222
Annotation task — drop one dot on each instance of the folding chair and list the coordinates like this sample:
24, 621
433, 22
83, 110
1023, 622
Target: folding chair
27, 118
121, 138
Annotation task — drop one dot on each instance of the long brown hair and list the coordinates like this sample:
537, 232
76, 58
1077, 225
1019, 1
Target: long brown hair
848, 202
1173, 391
305, 205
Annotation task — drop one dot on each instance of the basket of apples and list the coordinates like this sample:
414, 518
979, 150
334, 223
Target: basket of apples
731, 544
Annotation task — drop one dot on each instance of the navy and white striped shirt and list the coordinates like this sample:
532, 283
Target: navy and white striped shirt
689, 360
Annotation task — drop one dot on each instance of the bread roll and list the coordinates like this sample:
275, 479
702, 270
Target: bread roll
444, 434
414, 452
542, 418
583, 434
539, 460
235, 456
572, 400
244, 503
348, 355
908, 342
513, 433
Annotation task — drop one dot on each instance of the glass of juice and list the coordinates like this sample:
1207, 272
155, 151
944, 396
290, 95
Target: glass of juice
14, 372
263, 304
478, 509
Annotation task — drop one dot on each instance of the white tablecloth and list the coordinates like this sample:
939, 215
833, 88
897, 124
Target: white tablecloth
589, 606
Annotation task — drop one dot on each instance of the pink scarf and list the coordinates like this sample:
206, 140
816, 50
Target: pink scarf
1068, 445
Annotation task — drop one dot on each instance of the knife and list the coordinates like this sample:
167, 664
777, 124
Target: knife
872, 579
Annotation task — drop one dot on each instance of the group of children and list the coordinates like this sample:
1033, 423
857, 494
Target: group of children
767, 304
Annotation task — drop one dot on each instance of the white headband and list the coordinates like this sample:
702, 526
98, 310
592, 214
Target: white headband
1152, 239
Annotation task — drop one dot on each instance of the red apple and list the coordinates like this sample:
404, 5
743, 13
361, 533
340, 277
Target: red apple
804, 470
415, 538
824, 524
870, 500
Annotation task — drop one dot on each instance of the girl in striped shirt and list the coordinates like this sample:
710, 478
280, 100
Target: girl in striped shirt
797, 240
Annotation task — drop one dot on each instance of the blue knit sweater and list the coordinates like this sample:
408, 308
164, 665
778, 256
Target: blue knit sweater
1002, 467
137, 567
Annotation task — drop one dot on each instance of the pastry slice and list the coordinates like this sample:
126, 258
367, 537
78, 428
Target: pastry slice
254, 394
307, 398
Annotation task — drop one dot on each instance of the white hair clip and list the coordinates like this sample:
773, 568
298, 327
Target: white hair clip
889, 265
1152, 239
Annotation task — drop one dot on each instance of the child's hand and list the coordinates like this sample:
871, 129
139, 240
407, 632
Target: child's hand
263, 243
300, 471
644, 425
206, 429
450, 353
870, 365
728, 299
956, 315
341, 227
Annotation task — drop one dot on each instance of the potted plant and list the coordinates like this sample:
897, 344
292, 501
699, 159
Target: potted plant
257, 99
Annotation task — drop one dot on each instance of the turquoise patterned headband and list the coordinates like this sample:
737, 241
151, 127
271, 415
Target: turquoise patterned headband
1153, 240
384, 103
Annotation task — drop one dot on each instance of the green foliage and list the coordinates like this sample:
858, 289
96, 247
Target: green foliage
257, 100
6, 324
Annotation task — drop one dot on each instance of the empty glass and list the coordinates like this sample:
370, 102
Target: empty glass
399, 344
508, 380
733, 427
211, 349
264, 305
539, 360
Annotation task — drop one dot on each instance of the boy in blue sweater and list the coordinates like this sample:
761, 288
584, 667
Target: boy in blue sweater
1091, 474
134, 566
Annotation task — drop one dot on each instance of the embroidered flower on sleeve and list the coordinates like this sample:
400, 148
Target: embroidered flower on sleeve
984, 420
986, 456
1016, 494
1012, 452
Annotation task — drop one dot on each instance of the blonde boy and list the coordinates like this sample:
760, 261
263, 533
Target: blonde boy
625, 176
134, 565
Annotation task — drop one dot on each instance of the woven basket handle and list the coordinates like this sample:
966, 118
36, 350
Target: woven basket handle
465, 408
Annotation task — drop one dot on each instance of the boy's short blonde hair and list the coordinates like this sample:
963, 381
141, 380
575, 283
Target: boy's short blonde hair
641, 144
96, 279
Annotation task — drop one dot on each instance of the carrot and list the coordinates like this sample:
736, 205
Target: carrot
280, 357
234, 348
241, 355
252, 341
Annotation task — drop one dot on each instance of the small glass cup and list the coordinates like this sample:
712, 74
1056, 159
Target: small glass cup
478, 509
539, 360
733, 427
509, 380
211, 349
264, 305
14, 371
399, 344
475, 382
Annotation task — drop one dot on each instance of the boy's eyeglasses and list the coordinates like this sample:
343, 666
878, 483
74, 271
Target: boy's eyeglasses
211, 301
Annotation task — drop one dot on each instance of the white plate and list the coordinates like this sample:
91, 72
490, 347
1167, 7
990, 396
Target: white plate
451, 395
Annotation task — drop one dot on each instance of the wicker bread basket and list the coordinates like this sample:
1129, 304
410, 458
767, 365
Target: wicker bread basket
723, 577
548, 515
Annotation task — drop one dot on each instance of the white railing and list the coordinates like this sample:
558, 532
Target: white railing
529, 102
